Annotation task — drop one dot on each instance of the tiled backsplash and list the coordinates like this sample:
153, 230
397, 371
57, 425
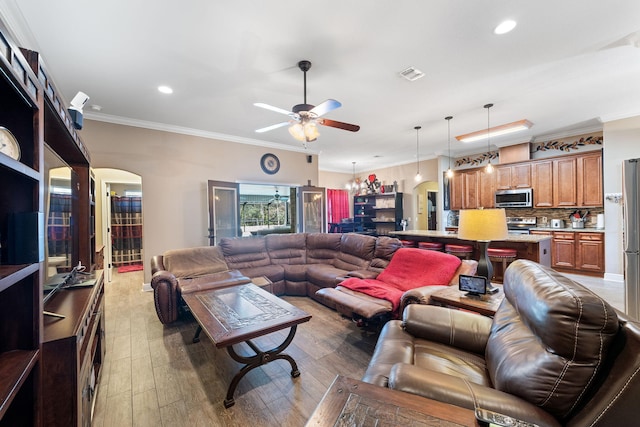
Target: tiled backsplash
556, 213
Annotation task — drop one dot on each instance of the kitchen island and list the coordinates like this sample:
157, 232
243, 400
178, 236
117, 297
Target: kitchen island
528, 246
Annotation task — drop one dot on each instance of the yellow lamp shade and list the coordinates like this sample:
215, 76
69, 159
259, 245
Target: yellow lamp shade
482, 224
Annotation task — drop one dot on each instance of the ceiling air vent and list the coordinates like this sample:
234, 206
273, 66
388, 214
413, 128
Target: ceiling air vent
412, 74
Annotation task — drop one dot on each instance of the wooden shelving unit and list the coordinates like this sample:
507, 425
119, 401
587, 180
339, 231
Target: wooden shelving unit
378, 214
21, 259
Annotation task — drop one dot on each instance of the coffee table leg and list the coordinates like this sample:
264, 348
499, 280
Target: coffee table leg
196, 337
259, 359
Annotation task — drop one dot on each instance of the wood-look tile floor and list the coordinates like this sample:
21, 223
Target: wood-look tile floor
153, 375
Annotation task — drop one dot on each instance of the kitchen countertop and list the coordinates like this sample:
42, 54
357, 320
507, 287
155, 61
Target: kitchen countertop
523, 238
571, 229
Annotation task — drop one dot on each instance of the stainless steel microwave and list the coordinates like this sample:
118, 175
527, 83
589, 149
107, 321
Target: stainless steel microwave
520, 198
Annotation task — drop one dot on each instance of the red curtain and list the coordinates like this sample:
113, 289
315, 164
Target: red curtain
337, 205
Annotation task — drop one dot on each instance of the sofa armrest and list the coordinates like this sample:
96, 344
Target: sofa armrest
165, 295
421, 295
363, 274
457, 328
460, 392
156, 264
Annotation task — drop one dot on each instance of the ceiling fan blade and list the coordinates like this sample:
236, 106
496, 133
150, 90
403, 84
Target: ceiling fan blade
272, 127
272, 108
325, 107
339, 125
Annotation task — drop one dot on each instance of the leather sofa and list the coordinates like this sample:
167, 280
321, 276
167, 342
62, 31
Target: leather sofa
554, 354
296, 264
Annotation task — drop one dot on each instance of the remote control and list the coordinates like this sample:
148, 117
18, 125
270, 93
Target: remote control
500, 419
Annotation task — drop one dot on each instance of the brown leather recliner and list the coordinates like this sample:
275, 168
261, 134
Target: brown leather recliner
554, 354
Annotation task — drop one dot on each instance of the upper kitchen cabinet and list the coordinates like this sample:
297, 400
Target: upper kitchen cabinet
486, 189
455, 191
565, 193
570, 181
542, 184
470, 190
509, 177
589, 184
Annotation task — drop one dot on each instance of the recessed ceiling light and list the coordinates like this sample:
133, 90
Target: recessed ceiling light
165, 89
96, 107
505, 26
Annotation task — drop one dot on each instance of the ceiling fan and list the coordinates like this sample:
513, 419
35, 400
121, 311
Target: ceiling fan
304, 118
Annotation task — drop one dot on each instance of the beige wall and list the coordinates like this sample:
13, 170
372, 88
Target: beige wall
621, 141
174, 169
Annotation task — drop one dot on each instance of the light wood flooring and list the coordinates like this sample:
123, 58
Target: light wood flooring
154, 376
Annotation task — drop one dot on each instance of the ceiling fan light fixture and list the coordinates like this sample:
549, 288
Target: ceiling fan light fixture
304, 132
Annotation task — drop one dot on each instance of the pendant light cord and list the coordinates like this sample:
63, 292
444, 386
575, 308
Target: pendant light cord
448, 119
417, 128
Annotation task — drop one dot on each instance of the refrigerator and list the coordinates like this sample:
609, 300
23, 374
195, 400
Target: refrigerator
631, 213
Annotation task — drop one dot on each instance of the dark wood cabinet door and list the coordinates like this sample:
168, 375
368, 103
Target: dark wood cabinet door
542, 184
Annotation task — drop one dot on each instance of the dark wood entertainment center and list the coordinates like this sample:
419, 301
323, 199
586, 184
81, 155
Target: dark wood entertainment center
49, 366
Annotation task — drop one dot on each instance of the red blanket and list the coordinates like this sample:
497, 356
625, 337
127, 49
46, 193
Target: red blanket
409, 268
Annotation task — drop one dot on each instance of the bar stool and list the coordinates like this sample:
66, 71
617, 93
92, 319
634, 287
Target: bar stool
461, 251
503, 255
408, 243
431, 246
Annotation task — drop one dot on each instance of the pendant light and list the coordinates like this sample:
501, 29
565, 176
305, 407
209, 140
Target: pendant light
353, 185
418, 176
489, 168
448, 119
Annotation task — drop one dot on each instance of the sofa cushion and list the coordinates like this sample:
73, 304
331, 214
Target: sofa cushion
411, 268
385, 249
325, 275
322, 248
551, 332
287, 248
194, 262
245, 252
356, 251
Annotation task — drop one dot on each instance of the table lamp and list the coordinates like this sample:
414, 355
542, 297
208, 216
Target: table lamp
483, 226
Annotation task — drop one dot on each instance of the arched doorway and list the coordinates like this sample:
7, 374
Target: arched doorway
426, 205
119, 219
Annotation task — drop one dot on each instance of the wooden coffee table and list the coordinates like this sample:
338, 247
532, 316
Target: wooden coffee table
350, 402
484, 304
238, 314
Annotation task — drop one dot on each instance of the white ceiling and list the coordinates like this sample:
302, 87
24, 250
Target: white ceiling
568, 66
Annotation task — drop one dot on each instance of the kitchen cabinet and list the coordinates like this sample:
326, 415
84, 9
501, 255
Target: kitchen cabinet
576, 252
589, 183
563, 250
590, 252
470, 190
510, 177
486, 189
542, 184
565, 192
455, 191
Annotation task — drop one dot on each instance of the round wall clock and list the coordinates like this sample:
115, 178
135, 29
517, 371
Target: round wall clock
8, 144
270, 163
